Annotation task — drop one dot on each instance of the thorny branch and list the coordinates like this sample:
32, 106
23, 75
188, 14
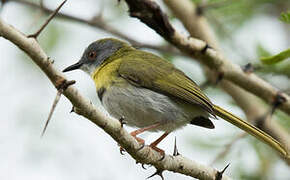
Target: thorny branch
98, 22
198, 27
111, 126
92, 23
150, 13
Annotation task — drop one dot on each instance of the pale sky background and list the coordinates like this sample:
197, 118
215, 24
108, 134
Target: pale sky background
73, 148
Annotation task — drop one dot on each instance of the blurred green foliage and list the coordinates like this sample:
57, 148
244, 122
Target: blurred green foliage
262, 51
276, 58
53, 34
233, 14
285, 17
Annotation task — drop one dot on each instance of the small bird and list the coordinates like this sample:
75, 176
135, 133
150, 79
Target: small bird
150, 93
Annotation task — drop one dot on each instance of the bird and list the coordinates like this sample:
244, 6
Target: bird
151, 94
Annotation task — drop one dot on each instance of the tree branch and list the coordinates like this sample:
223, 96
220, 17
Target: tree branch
109, 125
150, 13
98, 22
199, 28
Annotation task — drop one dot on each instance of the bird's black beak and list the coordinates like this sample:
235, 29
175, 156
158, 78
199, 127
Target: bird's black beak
73, 67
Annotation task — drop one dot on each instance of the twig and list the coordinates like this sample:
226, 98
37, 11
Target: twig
36, 34
228, 148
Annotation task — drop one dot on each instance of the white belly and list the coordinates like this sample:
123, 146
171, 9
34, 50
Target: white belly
142, 107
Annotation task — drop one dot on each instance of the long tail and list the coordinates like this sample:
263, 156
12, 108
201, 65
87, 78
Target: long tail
254, 131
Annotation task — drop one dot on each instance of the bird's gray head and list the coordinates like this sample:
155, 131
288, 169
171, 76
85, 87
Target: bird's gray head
96, 54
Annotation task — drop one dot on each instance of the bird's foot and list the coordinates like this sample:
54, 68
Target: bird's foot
154, 144
161, 151
139, 140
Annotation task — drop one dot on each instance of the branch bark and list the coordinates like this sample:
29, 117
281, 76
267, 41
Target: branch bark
150, 13
111, 126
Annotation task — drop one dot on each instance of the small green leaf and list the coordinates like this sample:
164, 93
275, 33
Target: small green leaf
276, 58
285, 17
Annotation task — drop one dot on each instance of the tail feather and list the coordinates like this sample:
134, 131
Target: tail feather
254, 131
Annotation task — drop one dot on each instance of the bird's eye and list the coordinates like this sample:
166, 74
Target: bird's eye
92, 55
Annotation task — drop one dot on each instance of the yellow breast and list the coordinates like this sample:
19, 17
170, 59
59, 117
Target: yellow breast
105, 75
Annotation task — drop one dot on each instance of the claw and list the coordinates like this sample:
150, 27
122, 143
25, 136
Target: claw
163, 156
156, 142
122, 122
162, 153
142, 165
141, 147
122, 151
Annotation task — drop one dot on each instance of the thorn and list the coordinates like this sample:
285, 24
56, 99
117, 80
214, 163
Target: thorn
219, 78
279, 99
122, 150
219, 174
122, 122
49, 61
57, 97
61, 86
72, 109
203, 51
259, 122
175, 151
158, 172
36, 34
199, 11
248, 68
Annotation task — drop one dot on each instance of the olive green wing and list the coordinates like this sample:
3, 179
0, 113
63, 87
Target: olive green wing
156, 74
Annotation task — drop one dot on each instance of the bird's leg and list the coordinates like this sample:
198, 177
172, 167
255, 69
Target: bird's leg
154, 144
139, 131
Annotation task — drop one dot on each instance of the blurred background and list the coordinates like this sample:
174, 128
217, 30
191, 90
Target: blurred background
75, 148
